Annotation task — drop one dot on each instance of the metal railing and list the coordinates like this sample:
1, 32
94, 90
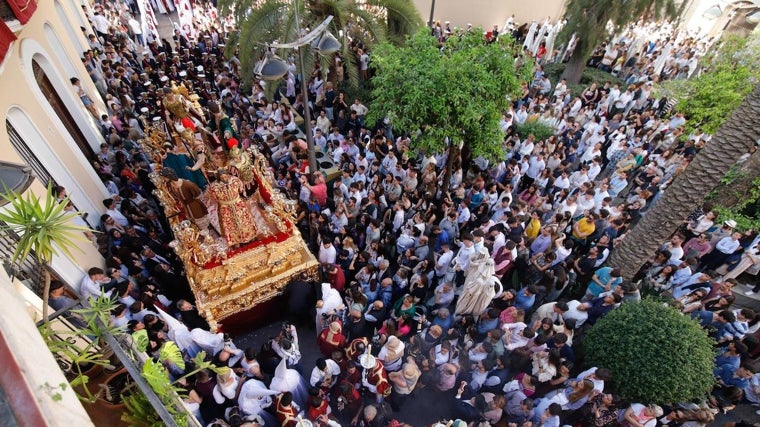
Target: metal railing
125, 351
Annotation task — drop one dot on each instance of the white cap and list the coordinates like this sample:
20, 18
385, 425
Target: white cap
164, 79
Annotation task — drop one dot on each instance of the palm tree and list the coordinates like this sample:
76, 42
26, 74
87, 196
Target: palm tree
267, 21
588, 19
733, 139
44, 230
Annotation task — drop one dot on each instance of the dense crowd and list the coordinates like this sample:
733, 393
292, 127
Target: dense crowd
471, 286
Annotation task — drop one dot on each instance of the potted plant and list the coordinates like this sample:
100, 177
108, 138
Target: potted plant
43, 228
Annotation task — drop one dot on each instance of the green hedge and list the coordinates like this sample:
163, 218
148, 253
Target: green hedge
590, 75
540, 130
655, 353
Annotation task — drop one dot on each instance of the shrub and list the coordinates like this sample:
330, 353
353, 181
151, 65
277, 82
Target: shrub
590, 75
540, 130
655, 353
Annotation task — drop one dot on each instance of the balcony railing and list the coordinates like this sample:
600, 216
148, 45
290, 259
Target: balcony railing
127, 354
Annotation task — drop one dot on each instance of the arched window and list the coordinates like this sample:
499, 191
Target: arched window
50, 93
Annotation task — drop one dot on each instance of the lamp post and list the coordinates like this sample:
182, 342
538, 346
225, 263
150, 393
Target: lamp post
272, 68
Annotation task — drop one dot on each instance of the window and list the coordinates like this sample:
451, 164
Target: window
30, 159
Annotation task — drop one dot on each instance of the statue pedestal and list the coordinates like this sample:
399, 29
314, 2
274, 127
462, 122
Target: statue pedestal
250, 277
229, 281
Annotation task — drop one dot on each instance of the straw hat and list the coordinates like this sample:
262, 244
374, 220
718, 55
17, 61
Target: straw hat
411, 371
335, 327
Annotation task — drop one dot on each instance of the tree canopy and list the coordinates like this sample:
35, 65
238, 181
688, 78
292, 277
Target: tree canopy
268, 21
589, 18
458, 90
655, 353
728, 73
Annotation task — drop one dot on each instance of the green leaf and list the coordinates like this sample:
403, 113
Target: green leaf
169, 352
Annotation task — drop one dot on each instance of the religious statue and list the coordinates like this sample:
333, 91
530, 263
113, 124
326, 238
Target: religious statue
219, 125
235, 219
241, 166
478, 288
183, 166
204, 162
179, 108
189, 196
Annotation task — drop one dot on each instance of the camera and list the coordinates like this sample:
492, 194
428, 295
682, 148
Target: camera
286, 332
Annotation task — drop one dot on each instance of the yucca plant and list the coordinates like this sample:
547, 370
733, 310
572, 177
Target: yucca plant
44, 229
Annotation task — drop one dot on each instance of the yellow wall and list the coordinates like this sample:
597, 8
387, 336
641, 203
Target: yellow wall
57, 49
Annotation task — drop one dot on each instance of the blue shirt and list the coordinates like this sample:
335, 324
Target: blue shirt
604, 276
523, 301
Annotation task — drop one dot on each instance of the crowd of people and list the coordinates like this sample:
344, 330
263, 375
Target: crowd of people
470, 286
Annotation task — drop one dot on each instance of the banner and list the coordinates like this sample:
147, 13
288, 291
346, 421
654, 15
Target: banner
6, 38
185, 15
23, 9
148, 21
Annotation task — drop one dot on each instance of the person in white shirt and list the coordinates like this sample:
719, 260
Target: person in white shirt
462, 260
114, 213
522, 114
398, 217
516, 335
327, 253
463, 213
325, 373
443, 261
323, 123
319, 139
92, 284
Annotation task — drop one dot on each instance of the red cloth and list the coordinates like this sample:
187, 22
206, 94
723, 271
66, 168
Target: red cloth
327, 347
187, 123
23, 9
322, 409
6, 38
232, 142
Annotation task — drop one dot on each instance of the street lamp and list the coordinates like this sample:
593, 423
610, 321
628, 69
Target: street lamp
274, 68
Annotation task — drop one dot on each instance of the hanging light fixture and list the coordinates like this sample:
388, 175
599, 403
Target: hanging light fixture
713, 12
326, 43
272, 67
753, 18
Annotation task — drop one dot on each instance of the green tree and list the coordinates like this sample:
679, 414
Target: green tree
588, 20
727, 74
688, 190
656, 354
44, 230
456, 91
268, 21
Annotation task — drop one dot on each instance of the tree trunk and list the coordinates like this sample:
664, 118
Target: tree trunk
45, 292
575, 66
689, 189
732, 193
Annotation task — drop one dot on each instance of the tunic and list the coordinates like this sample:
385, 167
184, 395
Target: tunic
188, 194
235, 218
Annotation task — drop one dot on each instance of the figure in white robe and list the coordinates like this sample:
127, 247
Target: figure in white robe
478, 288
531, 34
330, 303
550, 39
254, 398
290, 380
